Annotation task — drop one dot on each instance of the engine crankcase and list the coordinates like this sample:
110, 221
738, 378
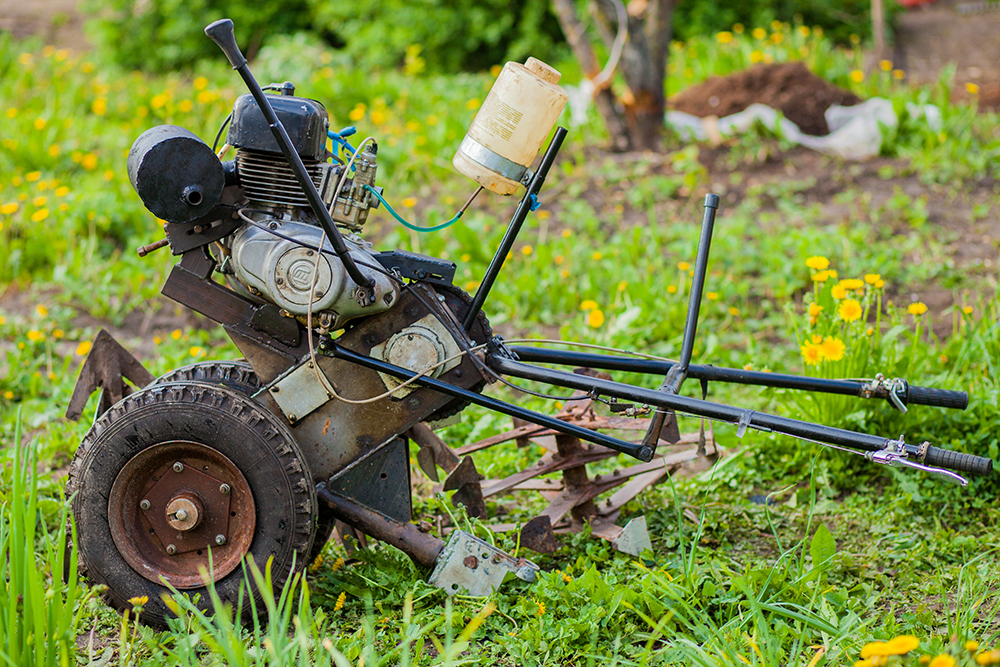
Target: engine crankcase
280, 269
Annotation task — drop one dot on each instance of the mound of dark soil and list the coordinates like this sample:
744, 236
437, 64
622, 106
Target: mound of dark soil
800, 95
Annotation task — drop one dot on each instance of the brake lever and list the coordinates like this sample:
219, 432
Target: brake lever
895, 455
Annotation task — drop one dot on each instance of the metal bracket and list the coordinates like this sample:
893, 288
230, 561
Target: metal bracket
469, 563
882, 387
895, 455
634, 538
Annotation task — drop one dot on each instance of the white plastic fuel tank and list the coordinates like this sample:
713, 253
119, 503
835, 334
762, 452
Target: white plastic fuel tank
515, 119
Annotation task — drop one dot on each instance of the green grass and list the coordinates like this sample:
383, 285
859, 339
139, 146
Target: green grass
847, 553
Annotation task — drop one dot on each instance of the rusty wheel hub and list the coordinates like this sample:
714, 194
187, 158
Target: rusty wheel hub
175, 501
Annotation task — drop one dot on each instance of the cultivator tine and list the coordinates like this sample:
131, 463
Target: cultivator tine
433, 451
107, 367
465, 480
537, 535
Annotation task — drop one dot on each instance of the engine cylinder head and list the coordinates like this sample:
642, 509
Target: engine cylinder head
268, 179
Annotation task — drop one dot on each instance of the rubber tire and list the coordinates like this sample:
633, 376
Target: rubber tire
240, 376
230, 422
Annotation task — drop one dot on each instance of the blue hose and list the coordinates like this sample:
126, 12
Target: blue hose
406, 224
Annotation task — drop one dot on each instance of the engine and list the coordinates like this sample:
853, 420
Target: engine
272, 257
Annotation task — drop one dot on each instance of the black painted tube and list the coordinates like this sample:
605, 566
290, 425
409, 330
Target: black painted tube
758, 420
914, 395
640, 452
520, 215
221, 32
697, 286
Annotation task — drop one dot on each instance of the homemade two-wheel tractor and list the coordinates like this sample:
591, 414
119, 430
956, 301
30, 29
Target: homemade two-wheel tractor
350, 353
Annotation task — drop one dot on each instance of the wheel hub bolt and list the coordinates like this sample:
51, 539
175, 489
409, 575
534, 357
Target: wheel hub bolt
184, 512
220, 539
178, 467
224, 489
181, 515
144, 505
171, 549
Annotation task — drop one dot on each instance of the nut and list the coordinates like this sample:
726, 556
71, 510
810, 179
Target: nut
178, 467
220, 539
144, 504
171, 549
224, 489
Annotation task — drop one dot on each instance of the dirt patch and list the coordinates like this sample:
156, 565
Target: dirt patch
57, 22
799, 94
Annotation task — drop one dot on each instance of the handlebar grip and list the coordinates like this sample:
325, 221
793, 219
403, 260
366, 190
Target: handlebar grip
221, 32
942, 398
959, 462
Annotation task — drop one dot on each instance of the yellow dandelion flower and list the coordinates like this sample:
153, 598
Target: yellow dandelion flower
138, 601
340, 601
358, 112
89, 161
942, 660
541, 607
9, 395
200, 83
815, 309
543, 215
724, 37
756, 56
99, 107
734, 311
58, 333
684, 266
42, 310
811, 354
967, 310
39, 201
159, 101
589, 304
671, 289
471, 286
33, 176
378, 117
596, 256
738, 28
879, 284
185, 106
204, 97
777, 38
821, 276
759, 33
564, 273
832, 348
109, 175
409, 202
885, 65
35, 336
3, 320
622, 285
849, 310
176, 334
473, 104
83, 348
566, 233
916, 308
595, 318
197, 351
712, 296
872, 278
157, 340
527, 250
10, 208
857, 76
852, 283
40, 123
898, 74
839, 292
54, 150
855, 40
558, 259
972, 88
869, 331
40, 215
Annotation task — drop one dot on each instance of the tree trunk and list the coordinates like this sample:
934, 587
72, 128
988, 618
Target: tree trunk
643, 64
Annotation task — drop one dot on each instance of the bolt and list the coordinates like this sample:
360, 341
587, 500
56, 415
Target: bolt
171, 549
144, 504
181, 515
291, 418
224, 489
220, 539
279, 281
178, 467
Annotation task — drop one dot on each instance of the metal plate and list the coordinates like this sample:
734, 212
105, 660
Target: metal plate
299, 392
380, 482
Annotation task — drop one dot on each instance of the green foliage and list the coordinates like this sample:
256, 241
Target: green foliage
441, 35
127, 29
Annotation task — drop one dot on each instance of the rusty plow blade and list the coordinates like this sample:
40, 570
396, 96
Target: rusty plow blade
576, 498
107, 367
